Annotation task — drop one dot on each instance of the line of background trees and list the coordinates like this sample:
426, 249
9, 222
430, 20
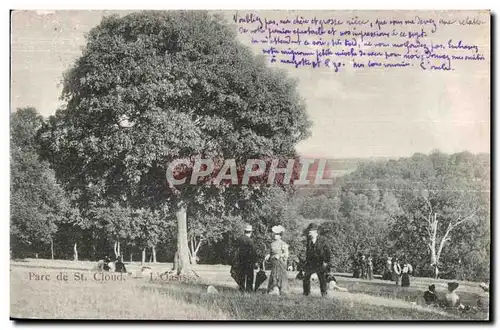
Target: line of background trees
152, 87
431, 209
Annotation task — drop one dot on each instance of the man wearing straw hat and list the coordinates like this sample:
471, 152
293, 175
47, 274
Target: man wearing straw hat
245, 259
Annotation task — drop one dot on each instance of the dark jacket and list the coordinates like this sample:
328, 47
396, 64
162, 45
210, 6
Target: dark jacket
120, 267
317, 254
246, 255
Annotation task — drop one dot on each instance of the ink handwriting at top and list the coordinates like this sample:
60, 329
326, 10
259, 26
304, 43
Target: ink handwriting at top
358, 42
470, 21
357, 21
248, 18
461, 45
429, 21
269, 22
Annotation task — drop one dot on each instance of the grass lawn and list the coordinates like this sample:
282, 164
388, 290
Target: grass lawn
165, 299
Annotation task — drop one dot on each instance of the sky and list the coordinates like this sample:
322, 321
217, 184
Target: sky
363, 113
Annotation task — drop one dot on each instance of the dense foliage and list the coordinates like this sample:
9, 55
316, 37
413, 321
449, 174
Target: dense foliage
153, 87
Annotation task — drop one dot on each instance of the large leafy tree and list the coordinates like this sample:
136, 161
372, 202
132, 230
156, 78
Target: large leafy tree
153, 87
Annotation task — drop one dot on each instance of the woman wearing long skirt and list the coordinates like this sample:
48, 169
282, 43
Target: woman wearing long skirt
355, 267
388, 270
405, 274
369, 269
278, 280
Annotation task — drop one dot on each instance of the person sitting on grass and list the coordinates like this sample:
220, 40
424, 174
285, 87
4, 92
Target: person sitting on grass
430, 295
452, 299
103, 264
119, 265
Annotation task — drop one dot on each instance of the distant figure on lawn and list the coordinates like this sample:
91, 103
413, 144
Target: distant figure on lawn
430, 295
388, 270
318, 261
369, 268
119, 265
452, 298
103, 264
363, 266
244, 261
396, 270
278, 281
405, 274
355, 266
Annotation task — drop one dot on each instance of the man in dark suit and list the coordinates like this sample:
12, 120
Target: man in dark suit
245, 260
318, 260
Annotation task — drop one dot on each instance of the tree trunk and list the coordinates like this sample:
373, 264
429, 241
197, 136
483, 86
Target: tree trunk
194, 248
131, 255
191, 251
52, 249
433, 224
114, 248
194, 257
183, 267
176, 261
75, 252
118, 249
153, 250
143, 260
94, 251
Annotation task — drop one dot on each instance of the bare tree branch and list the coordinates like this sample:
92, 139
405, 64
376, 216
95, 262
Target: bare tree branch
198, 246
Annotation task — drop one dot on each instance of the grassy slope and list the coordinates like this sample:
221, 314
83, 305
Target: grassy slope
143, 299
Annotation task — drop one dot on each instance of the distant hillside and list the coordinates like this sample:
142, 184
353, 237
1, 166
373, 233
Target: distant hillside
342, 166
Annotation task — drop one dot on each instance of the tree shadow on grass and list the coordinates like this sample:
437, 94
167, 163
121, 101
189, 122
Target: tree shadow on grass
391, 290
414, 295
260, 306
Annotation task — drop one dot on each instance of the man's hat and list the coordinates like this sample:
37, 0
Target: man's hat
432, 287
452, 286
278, 229
312, 227
248, 228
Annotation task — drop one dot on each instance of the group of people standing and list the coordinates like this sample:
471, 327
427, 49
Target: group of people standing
397, 272
317, 261
393, 270
363, 267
